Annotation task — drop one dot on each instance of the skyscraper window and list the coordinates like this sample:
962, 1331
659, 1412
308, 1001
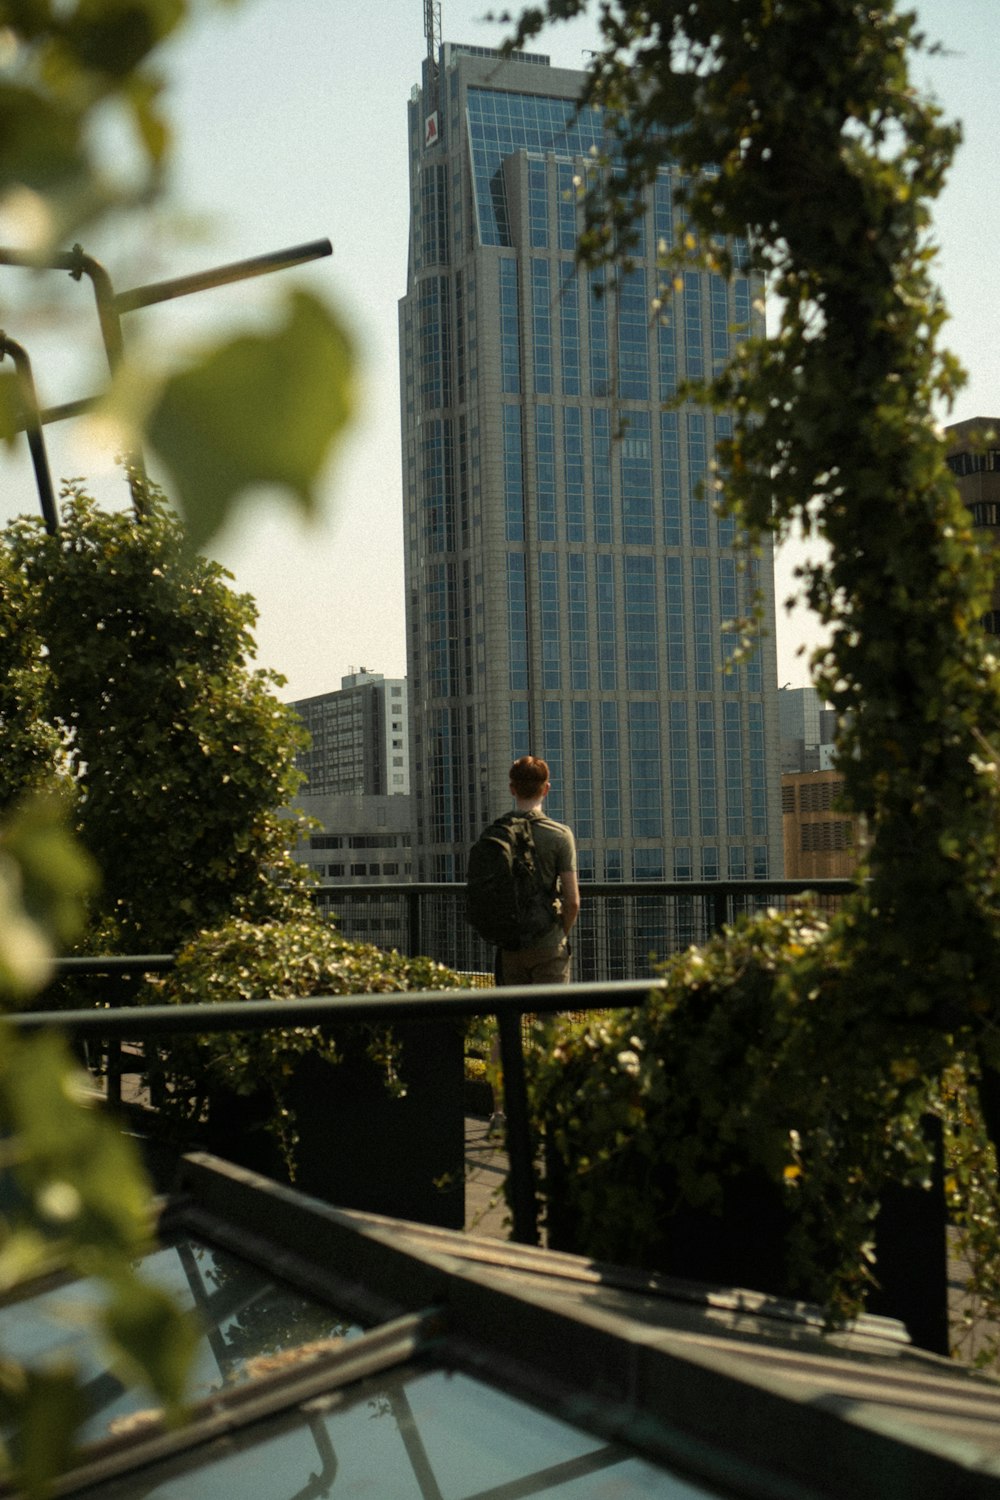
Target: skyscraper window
545, 472
633, 336
549, 618
541, 322
569, 330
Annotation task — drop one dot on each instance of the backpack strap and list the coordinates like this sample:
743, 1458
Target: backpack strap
527, 820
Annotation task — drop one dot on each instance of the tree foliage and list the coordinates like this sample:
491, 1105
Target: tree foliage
178, 751
31, 745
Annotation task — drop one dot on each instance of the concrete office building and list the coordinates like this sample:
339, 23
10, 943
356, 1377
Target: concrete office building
358, 738
566, 590
357, 840
808, 730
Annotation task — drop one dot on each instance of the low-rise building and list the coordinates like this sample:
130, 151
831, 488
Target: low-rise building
822, 839
358, 841
358, 738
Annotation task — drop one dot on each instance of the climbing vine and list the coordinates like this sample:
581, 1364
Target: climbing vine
792, 130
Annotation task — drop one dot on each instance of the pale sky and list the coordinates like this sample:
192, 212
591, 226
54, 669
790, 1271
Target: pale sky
291, 126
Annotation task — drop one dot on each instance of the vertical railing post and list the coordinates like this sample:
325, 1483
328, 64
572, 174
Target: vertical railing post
520, 1150
413, 922
119, 989
720, 909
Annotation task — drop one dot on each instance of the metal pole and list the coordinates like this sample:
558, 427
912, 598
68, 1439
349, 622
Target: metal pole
33, 428
720, 902
114, 348
202, 281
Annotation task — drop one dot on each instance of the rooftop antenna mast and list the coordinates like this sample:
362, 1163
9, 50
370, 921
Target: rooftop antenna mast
432, 27
432, 31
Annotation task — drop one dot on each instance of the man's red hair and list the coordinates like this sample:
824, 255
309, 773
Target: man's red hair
528, 776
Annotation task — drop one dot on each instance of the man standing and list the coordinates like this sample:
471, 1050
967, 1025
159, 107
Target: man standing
547, 960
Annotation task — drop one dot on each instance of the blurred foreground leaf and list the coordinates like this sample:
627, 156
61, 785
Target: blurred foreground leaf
73, 1195
262, 409
152, 1340
45, 1408
79, 1172
45, 878
11, 405
76, 1199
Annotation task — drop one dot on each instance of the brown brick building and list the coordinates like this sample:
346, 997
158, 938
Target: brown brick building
821, 839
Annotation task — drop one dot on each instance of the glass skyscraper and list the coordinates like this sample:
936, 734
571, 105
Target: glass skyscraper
567, 583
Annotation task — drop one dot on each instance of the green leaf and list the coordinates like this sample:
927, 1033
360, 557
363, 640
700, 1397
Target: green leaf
47, 1407
11, 406
56, 874
45, 878
80, 1172
262, 409
152, 1339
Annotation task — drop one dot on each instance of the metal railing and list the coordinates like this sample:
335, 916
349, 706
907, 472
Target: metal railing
622, 930
428, 908
146, 1023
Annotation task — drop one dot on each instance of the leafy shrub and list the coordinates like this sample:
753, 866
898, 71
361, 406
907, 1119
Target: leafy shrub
179, 752
972, 1191
242, 960
756, 1060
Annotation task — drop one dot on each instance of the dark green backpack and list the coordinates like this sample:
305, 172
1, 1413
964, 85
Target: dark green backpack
505, 898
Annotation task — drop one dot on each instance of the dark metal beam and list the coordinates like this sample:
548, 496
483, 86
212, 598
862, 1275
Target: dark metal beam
203, 281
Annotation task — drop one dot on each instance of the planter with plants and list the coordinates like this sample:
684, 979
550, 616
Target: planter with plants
363, 1116
744, 1124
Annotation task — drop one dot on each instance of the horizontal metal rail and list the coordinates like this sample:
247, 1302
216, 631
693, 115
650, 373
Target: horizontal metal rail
624, 928
115, 963
799, 886
137, 1021
427, 917
204, 281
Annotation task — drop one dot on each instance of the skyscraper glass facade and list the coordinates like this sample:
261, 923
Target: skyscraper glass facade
568, 579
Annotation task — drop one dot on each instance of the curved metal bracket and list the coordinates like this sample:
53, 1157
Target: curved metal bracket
111, 305
33, 428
